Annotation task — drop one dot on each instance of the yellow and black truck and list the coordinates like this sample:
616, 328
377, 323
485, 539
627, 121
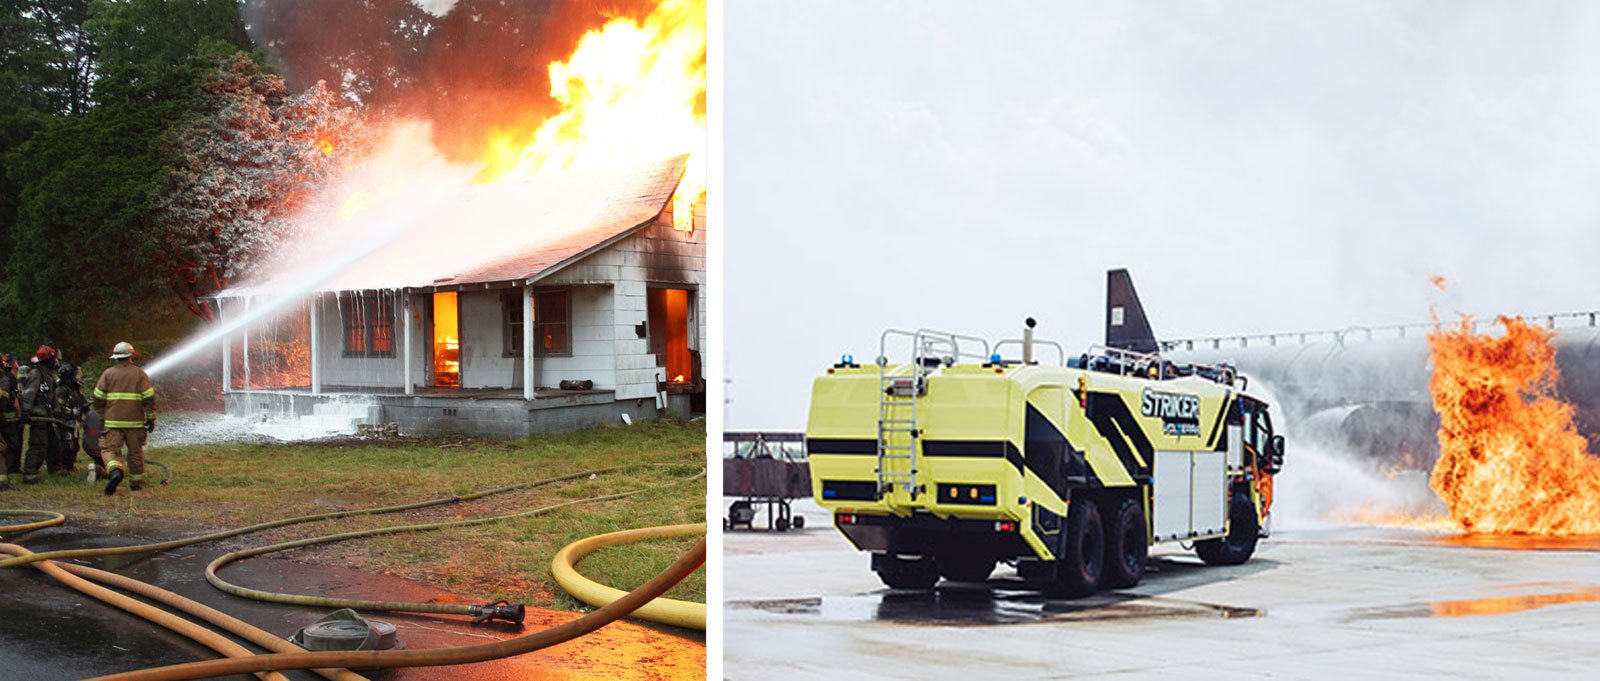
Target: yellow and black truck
962, 458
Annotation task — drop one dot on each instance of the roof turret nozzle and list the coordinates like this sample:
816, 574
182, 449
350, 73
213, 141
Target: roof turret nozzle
1027, 340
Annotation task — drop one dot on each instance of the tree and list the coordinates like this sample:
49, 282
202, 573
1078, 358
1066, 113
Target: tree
101, 83
242, 174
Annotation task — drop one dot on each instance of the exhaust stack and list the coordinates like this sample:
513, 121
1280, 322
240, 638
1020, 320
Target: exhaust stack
1027, 341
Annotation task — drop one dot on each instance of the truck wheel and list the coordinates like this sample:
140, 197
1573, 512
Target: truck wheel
799, 522
898, 573
1127, 546
782, 524
965, 568
1083, 557
1240, 542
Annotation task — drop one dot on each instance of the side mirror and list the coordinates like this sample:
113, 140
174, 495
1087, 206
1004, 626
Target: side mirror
1275, 454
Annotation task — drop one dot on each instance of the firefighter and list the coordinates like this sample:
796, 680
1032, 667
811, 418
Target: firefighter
10, 422
127, 400
94, 431
70, 409
37, 397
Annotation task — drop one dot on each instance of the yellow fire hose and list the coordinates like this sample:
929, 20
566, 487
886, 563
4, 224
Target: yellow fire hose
51, 518
664, 610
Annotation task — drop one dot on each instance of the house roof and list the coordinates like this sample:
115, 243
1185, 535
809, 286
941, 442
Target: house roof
487, 233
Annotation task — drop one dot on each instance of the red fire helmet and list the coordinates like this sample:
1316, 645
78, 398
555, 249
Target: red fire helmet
44, 352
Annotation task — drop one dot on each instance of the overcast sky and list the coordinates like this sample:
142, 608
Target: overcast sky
1258, 167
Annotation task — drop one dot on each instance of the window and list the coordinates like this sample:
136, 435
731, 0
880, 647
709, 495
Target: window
511, 333
551, 318
368, 325
552, 331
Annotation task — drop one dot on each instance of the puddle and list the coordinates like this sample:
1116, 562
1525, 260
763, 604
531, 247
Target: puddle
1523, 542
1490, 605
990, 606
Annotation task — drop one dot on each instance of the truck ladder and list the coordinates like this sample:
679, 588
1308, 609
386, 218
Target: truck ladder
900, 388
897, 429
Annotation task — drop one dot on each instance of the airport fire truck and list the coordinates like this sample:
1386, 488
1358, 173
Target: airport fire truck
964, 457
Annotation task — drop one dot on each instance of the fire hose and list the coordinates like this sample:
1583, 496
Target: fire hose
75, 575
51, 518
389, 659
291, 655
500, 610
664, 610
224, 534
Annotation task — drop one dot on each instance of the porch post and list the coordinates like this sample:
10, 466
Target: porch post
527, 343
227, 349
316, 368
244, 334
405, 336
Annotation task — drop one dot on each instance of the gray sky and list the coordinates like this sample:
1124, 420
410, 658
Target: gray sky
1257, 166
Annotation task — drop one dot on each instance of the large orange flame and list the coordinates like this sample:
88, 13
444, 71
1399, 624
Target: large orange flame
632, 91
1510, 459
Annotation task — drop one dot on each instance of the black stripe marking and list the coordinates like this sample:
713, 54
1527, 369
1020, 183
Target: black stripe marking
1102, 412
1216, 428
992, 449
819, 445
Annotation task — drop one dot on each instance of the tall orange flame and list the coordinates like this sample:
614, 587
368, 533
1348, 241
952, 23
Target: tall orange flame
1510, 459
632, 91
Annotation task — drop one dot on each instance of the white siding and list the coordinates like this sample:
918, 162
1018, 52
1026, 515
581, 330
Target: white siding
655, 256
483, 360
338, 370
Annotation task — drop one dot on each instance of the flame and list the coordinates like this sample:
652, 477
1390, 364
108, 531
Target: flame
632, 91
1510, 461
325, 146
678, 378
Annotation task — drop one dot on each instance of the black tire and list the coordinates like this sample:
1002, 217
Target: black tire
965, 568
799, 522
782, 524
1082, 559
1127, 546
898, 573
1244, 528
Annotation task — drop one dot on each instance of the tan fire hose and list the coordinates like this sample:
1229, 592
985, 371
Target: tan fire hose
222, 620
199, 634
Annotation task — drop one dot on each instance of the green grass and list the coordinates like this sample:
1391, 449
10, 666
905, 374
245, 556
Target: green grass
229, 485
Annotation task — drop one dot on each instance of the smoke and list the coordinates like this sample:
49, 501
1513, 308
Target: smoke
411, 177
468, 66
1325, 483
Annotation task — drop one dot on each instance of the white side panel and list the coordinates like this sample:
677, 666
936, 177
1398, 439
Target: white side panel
1210, 493
1235, 447
1172, 498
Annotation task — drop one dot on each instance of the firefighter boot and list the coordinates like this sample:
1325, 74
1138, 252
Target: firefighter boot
114, 479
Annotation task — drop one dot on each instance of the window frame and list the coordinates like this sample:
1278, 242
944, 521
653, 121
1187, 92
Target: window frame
511, 323
541, 316
370, 312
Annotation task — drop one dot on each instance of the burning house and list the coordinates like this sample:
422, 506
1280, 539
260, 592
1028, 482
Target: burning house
555, 303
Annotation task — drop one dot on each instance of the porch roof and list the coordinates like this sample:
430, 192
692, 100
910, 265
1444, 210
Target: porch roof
485, 234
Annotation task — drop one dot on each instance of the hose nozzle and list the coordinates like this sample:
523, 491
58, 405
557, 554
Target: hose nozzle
498, 610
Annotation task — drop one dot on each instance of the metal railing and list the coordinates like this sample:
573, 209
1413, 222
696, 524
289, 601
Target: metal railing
1557, 320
